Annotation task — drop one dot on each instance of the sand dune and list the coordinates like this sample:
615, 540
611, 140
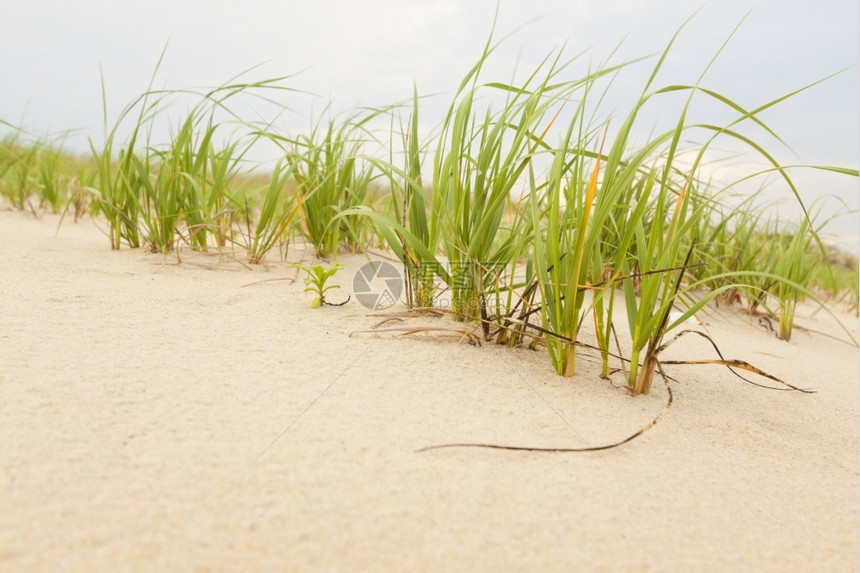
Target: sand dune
201, 416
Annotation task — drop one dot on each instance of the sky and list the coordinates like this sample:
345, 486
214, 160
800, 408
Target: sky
348, 53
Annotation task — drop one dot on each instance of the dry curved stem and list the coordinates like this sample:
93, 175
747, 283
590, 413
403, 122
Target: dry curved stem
474, 338
277, 279
406, 330
418, 311
400, 315
564, 450
731, 364
324, 302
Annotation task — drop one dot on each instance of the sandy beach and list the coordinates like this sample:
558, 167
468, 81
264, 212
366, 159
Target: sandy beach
200, 416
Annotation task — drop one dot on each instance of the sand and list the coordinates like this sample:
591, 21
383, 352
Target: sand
157, 416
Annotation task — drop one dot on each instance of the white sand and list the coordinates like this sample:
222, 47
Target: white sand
157, 417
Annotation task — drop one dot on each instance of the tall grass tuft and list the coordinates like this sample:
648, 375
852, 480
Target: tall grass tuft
146, 191
277, 214
331, 178
18, 165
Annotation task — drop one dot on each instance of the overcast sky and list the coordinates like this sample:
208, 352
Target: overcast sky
370, 52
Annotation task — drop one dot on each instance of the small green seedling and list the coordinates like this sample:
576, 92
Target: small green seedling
315, 282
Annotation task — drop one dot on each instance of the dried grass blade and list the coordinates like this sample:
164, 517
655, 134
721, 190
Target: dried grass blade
731, 364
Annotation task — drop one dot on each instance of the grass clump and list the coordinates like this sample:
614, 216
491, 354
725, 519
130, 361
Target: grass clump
530, 207
331, 178
146, 191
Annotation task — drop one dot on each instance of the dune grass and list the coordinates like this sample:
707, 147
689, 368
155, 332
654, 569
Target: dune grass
526, 206
331, 177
